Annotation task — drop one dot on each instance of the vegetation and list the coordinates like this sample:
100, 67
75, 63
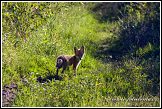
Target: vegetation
121, 67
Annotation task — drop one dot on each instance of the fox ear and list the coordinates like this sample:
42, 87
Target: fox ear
82, 48
75, 49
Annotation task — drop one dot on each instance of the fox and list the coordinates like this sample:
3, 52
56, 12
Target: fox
64, 61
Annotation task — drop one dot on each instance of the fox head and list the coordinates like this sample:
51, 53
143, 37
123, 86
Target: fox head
79, 52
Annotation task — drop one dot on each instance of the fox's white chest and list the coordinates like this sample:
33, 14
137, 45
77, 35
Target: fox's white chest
79, 61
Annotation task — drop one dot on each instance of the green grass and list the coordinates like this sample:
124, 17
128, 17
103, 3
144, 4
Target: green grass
97, 84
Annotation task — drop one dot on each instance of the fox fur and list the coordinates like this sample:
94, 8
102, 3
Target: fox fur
64, 61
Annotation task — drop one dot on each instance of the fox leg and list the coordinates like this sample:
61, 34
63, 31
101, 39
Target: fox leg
74, 68
63, 68
75, 72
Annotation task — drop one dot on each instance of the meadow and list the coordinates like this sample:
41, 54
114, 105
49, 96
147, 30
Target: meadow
121, 66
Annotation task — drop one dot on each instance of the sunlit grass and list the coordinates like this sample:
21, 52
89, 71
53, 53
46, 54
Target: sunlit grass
97, 84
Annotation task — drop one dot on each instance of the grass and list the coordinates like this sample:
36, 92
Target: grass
97, 84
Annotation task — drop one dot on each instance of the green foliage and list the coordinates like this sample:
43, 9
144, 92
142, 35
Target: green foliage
115, 68
145, 50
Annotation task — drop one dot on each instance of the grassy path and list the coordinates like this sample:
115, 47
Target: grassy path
100, 81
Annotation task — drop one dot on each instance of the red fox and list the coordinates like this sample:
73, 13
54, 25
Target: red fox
64, 61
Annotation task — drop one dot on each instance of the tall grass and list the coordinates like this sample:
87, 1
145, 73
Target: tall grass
97, 84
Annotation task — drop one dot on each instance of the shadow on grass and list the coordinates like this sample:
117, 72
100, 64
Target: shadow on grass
130, 41
109, 11
134, 36
48, 78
